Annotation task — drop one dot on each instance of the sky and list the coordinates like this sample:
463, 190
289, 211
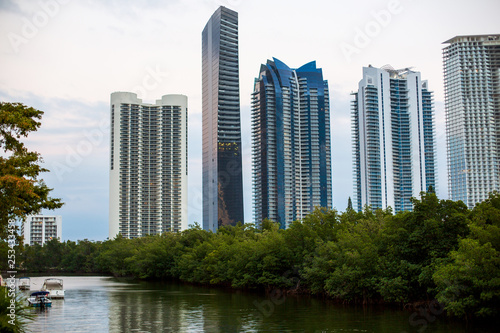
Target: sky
65, 57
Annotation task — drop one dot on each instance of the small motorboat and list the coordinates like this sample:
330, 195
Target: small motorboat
24, 283
54, 287
40, 299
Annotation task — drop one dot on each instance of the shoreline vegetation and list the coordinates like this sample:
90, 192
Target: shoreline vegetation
441, 254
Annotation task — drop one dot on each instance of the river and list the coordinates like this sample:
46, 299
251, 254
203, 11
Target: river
104, 304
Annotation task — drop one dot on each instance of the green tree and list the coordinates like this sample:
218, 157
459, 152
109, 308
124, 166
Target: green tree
348, 268
469, 286
34, 258
304, 237
414, 242
54, 250
349, 204
469, 283
22, 192
84, 256
156, 259
114, 255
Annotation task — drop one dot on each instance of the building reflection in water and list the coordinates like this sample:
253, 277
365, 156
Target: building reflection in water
172, 309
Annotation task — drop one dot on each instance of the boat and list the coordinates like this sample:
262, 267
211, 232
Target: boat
54, 286
40, 299
24, 283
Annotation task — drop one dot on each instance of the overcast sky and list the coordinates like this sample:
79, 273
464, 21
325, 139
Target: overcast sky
67, 57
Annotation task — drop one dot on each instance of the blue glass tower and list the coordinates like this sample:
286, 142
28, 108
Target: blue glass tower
290, 142
393, 139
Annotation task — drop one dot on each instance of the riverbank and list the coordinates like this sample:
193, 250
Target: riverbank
440, 251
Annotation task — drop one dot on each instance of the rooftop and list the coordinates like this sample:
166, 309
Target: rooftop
474, 38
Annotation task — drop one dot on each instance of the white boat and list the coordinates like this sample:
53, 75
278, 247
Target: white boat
40, 299
24, 283
54, 286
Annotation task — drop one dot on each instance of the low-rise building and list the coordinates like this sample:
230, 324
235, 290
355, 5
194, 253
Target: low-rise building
38, 229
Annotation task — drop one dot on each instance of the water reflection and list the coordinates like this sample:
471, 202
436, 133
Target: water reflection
101, 304
176, 308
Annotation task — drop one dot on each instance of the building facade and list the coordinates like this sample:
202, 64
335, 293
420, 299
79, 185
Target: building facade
290, 142
148, 165
393, 137
39, 229
472, 99
222, 158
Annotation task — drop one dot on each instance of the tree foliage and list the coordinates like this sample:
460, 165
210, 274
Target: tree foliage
469, 283
22, 192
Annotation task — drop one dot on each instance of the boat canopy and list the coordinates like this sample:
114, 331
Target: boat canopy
40, 293
52, 284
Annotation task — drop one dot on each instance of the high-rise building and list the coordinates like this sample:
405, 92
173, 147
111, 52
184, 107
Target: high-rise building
222, 160
39, 229
148, 169
393, 139
290, 142
472, 98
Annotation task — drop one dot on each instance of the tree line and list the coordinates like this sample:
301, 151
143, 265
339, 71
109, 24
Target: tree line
440, 251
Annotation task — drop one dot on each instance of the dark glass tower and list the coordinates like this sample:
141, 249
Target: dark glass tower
222, 168
290, 142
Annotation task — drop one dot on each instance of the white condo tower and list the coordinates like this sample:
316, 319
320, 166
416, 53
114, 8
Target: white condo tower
148, 165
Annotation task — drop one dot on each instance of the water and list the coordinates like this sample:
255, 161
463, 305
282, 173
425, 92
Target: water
103, 304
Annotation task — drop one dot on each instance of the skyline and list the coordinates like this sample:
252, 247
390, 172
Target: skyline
69, 65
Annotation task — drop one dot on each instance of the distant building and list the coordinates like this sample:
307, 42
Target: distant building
39, 229
290, 142
472, 97
222, 158
148, 165
393, 139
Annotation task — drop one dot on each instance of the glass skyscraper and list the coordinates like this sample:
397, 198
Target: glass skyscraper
472, 97
222, 160
393, 139
290, 142
148, 165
